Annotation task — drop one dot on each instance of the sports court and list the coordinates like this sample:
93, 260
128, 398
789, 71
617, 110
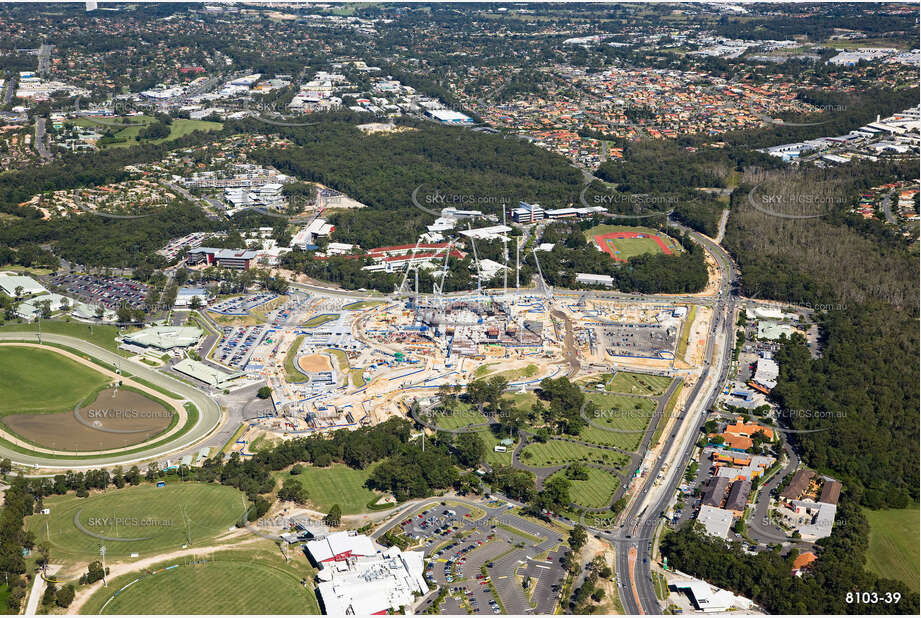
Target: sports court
630, 244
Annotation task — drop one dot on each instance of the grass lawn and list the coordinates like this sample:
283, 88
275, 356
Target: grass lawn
594, 492
319, 320
522, 401
362, 304
484, 369
632, 383
233, 582
622, 412
43, 382
669, 410
341, 357
512, 375
492, 457
626, 441
149, 520
337, 484
179, 128
559, 452
685, 333
292, 375
461, 418
101, 335
894, 540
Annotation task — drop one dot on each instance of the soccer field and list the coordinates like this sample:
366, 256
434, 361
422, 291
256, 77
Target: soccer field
142, 519
893, 551
337, 484
34, 381
228, 583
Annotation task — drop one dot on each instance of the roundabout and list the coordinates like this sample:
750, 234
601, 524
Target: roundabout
95, 408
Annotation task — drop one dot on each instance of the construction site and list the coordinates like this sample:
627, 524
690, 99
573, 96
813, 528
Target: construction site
333, 362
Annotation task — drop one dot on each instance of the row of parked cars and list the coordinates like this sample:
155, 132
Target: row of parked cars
111, 292
236, 344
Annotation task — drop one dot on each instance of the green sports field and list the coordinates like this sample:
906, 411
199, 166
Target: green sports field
142, 519
631, 247
594, 492
337, 484
230, 582
894, 540
34, 381
558, 452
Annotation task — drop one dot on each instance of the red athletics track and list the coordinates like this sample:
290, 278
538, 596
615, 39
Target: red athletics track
601, 241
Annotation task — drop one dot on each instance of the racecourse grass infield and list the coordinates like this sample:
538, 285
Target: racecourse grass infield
36, 381
623, 243
110, 418
227, 582
595, 492
144, 519
337, 484
102, 335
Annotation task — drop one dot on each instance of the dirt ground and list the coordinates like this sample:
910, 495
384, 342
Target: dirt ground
314, 363
108, 422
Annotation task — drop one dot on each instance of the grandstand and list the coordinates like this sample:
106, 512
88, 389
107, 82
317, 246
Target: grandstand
163, 337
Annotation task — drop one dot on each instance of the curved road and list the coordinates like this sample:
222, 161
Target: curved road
209, 416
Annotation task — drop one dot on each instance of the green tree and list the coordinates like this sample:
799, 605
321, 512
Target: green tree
334, 517
577, 538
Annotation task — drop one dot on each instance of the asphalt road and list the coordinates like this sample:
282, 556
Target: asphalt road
208, 419
644, 517
40, 134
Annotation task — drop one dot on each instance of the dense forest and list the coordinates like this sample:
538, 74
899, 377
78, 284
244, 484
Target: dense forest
865, 382
450, 168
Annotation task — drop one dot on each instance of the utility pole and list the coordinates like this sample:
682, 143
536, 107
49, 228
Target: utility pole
517, 267
102, 552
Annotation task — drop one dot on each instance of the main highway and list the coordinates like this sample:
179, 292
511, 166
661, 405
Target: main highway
638, 529
209, 416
